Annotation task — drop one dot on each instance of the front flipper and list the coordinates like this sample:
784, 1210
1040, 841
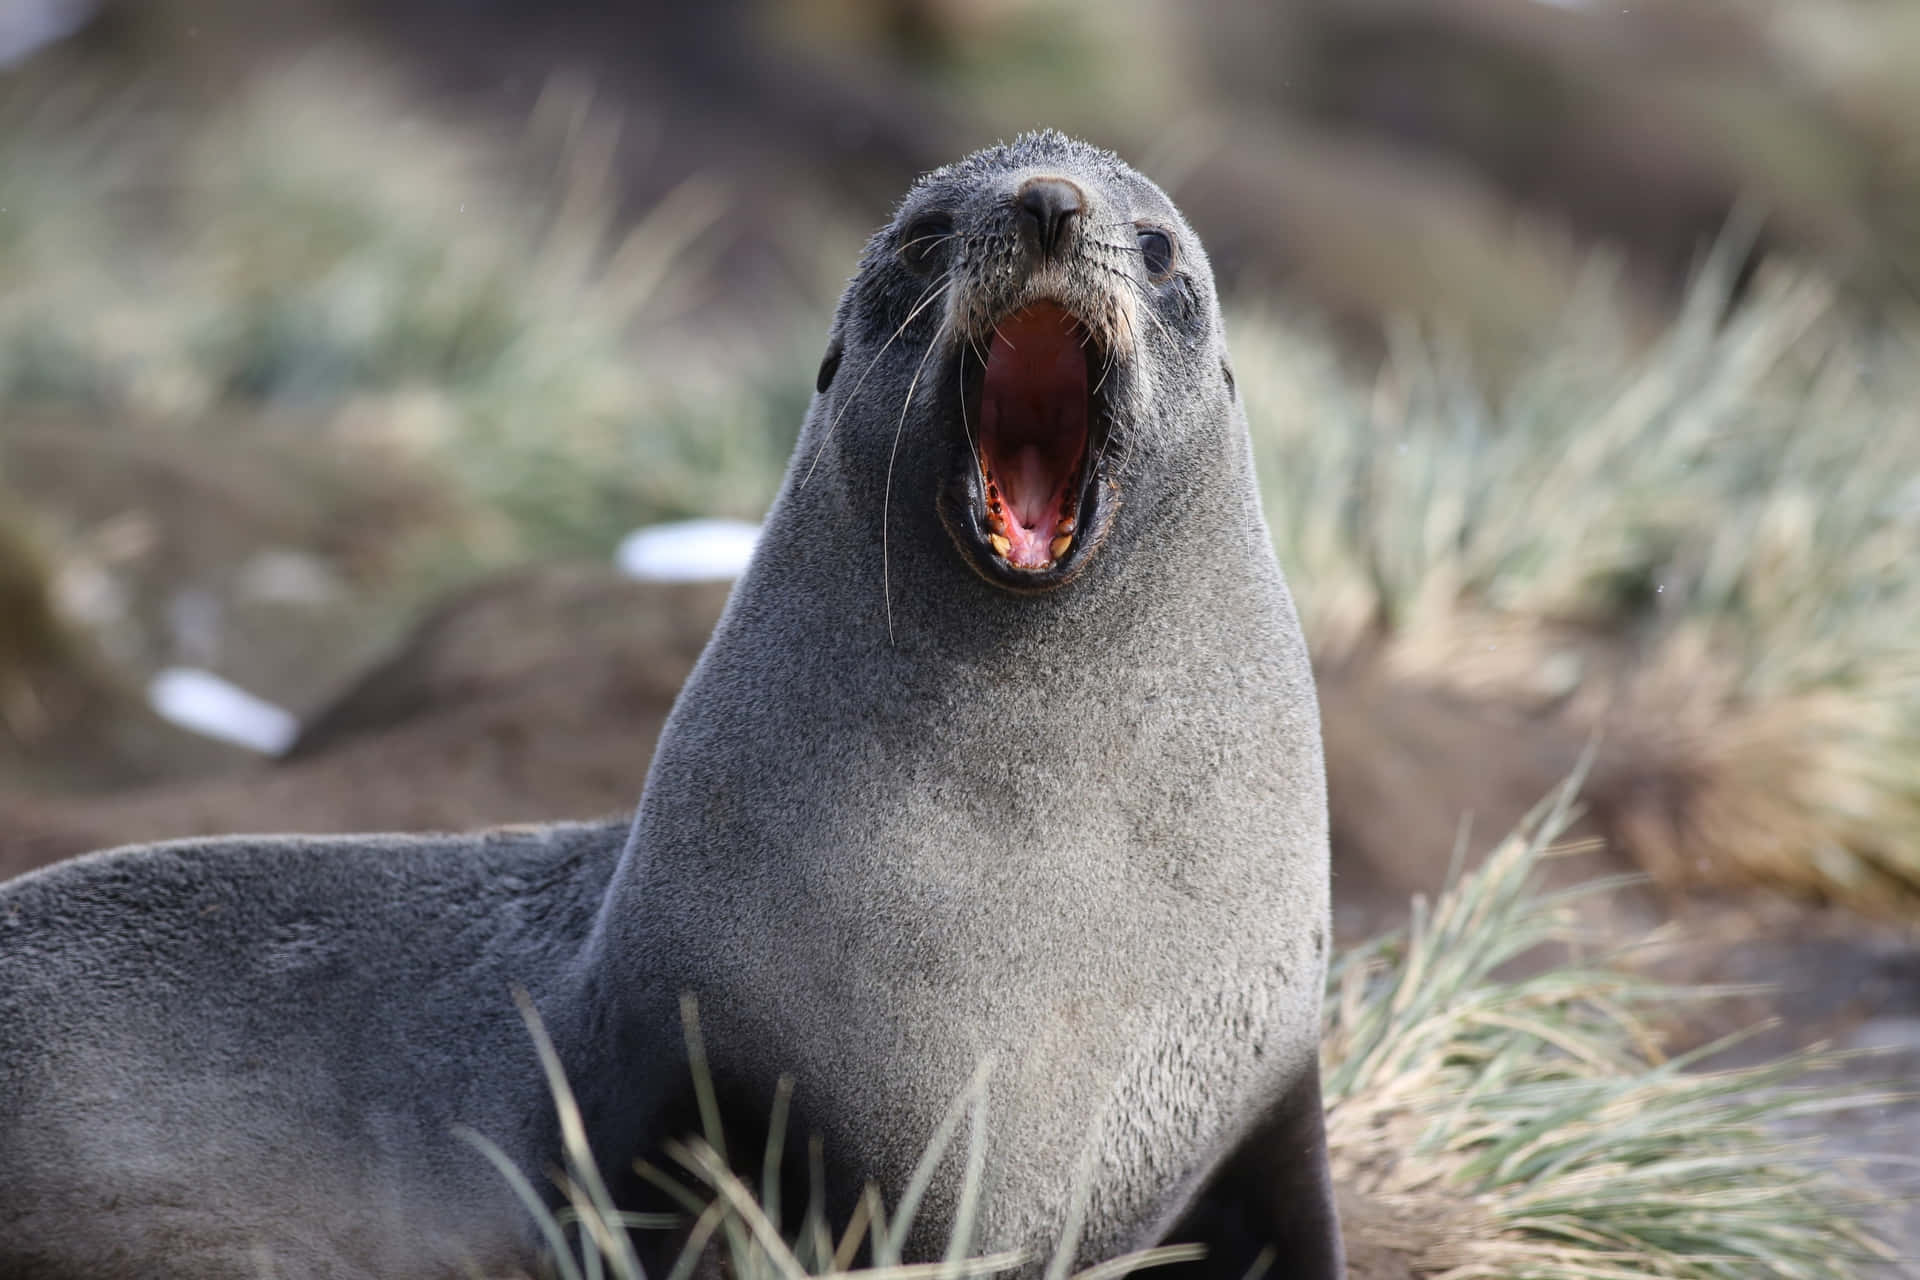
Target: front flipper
1268, 1212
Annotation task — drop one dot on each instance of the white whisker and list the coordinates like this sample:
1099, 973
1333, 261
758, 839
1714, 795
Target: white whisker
918, 307
886, 494
972, 449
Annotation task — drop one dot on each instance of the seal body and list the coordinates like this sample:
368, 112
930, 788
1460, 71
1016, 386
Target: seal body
1000, 780
246, 1057
928, 803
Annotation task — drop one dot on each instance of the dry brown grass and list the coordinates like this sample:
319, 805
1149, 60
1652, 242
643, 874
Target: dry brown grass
1538, 1118
1702, 549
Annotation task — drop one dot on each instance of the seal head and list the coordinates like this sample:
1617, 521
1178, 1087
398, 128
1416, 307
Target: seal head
1054, 294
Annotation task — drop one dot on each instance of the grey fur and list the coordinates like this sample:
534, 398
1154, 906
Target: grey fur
902, 821
242, 1057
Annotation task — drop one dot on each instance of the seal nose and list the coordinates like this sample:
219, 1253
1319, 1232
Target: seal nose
1048, 207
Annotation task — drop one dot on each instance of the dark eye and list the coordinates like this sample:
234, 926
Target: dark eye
1156, 249
925, 236
829, 365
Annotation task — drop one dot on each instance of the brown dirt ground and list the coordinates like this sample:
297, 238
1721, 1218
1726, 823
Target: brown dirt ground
534, 696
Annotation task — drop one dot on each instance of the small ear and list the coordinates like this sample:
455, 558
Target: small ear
1226, 371
829, 365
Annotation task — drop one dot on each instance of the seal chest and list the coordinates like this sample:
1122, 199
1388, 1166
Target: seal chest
1041, 788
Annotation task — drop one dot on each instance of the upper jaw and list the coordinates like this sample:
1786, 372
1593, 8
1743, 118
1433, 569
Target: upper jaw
1030, 496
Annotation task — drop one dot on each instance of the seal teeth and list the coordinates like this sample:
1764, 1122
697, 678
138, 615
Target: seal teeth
1058, 547
1066, 525
1000, 544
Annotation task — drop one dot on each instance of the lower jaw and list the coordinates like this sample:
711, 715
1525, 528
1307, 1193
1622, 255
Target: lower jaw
1027, 550
1032, 546
967, 523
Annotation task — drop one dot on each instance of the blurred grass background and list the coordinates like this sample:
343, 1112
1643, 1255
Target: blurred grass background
1578, 344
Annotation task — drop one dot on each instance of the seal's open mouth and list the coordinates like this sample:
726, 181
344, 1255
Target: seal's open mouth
1033, 434
1036, 423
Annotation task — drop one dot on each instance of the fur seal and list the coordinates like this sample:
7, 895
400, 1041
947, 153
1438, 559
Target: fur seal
1003, 764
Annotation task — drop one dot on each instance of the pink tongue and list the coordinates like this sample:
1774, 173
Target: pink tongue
1027, 489
1033, 427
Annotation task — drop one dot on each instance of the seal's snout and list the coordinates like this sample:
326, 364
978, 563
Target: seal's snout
1044, 295
1049, 213
1030, 502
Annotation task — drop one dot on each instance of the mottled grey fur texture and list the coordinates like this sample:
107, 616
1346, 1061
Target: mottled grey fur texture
243, 1057
903, 821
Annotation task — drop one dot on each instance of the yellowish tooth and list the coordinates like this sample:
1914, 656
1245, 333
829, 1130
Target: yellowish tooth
1068, 525
1000, 545
1060, 544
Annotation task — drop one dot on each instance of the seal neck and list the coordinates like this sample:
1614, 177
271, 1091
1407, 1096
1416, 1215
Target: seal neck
869, 560
809, 723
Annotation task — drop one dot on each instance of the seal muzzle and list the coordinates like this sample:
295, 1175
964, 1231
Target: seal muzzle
1043, 327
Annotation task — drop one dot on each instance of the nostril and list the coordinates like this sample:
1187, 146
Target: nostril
1048, 207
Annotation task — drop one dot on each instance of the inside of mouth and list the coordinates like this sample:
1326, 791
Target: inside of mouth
1034, 427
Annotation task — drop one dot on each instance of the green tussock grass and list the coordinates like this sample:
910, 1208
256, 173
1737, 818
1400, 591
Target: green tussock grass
1543, 1111
1529, 1125
474, 314
319, 325
1729, 512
